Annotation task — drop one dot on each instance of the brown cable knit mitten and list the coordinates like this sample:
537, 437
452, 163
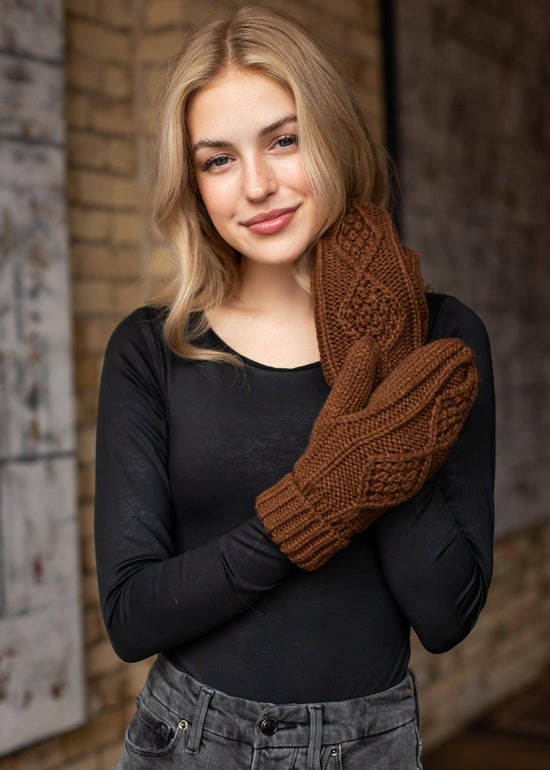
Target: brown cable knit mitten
362, 460
365, 282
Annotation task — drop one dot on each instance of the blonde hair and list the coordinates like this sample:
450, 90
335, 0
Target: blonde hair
341, 160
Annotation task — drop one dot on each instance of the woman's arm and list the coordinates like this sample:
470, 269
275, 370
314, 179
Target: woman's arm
436, 548
152, 598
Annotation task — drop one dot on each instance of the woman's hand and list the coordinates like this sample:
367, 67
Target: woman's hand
370, 450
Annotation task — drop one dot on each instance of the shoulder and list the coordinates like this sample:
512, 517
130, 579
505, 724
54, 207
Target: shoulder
145, 323
137, 348
449, 317
139, 335
133, 389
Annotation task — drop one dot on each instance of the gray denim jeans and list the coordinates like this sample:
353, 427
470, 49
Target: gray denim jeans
181, 723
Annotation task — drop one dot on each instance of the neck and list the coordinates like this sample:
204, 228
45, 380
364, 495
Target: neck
270, 289
270, 320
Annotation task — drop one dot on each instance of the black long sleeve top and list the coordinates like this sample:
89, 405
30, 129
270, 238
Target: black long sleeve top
186, 568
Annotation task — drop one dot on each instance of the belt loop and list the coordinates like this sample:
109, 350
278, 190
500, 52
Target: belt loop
195, 733
315, 737
415, 691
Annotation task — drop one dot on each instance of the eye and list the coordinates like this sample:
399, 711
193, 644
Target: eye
288, 140
218, 161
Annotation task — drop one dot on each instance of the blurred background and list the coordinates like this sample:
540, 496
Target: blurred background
458, 92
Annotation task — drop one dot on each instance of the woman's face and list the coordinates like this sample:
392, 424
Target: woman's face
247, 160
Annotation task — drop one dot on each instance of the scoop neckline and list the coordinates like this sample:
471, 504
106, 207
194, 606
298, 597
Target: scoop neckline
257, 364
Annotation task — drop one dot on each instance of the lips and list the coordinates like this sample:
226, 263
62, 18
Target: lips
269, 222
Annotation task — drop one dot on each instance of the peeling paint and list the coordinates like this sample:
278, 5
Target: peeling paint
41, 645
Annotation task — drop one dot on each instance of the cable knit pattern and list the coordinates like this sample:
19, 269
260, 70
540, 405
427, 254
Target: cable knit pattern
396, 406
360, 462
365, 282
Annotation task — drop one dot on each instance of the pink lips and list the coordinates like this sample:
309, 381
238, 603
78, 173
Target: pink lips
270, 222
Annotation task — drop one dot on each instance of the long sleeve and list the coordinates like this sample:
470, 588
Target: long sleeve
436, 549
186, 568
153, 597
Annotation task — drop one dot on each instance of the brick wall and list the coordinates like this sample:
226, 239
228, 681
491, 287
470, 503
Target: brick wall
475, 169
475, 172
105, 232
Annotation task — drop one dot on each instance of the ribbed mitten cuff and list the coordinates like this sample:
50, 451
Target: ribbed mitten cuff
299, 531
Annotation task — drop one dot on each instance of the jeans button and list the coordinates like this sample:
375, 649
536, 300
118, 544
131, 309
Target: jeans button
269, 726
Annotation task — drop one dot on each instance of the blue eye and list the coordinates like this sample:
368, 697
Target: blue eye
287, 141
218, 162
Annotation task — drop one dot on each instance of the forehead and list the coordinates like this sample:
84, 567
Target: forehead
237, 99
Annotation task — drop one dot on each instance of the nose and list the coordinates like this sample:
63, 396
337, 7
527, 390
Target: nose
259, 180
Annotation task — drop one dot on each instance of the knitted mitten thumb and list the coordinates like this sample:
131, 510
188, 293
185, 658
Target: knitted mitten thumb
353, 387
362, 461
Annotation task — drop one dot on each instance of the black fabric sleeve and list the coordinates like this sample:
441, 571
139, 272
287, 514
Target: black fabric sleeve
151, 598
436, 549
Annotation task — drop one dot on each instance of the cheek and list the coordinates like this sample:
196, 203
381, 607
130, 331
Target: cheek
293, 175
217, 197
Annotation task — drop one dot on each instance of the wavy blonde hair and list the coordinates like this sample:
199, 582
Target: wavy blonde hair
340, 157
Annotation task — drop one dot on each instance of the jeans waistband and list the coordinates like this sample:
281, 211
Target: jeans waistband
275, 724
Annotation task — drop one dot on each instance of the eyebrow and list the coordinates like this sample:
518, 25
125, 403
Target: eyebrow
265, 131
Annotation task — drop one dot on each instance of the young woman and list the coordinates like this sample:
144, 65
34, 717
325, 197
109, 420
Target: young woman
290, 471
